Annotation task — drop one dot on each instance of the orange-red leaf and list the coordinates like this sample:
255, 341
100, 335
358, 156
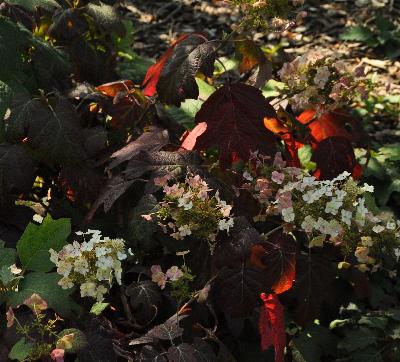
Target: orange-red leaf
333, 123
272, 325
113, 88
276, 256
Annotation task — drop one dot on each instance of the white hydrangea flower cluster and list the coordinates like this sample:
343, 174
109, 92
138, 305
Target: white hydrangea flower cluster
92, 264
318, 79
333, 210
190, 209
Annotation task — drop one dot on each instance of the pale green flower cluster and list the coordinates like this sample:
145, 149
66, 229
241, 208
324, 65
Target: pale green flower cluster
92, 264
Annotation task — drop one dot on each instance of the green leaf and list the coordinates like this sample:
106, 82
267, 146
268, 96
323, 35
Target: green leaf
36, 241
7, 255
357, 33
272, 88
358, 339
14, 40
98, 308
104, 15
32, 5
78, 342
21, 350
6, 277
184, 115
383, 195
44, 284
5, 99
205, 90
374, 322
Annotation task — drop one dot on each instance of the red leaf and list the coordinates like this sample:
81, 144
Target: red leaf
291, 144
333, 123
189, 142
154, 72
234, 116
277, 256
333, 156
272, 325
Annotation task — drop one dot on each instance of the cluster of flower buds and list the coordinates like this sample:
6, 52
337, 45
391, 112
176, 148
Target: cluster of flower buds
92, 264
325, 210
189, 208
318, 79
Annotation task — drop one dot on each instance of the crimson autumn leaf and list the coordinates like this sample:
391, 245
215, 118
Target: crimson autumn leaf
333, 156
276, 256
234, 117
272, 325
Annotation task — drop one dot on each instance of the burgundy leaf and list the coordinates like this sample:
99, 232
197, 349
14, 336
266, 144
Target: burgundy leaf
234, 116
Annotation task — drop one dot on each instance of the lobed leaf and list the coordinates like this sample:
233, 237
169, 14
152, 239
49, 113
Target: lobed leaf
234, 117
36, 241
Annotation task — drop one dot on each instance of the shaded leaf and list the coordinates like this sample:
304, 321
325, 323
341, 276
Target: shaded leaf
16, 171
145, 299
237, 247
237, 290
177, 79
7, 255
313, 287
141, 230
51, 128
153, 73
358, 339
5, 99
169, 330
33, 5
234, 116
14, 40
278, 258
181, 353
99, 346
34, 244
152, 140
333, 156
